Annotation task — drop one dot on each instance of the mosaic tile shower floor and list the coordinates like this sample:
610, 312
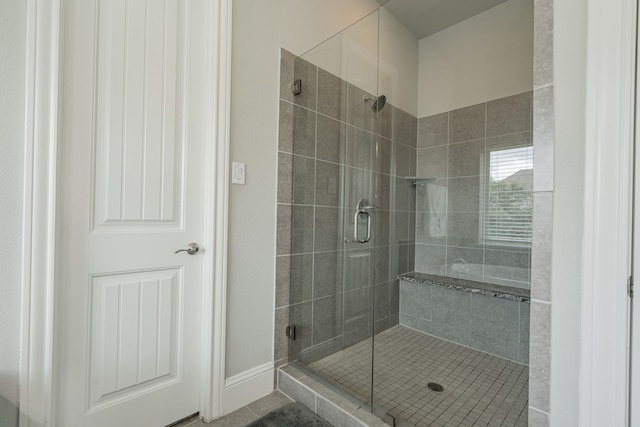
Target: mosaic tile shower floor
479, 389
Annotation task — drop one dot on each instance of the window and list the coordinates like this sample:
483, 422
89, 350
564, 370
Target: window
509, 195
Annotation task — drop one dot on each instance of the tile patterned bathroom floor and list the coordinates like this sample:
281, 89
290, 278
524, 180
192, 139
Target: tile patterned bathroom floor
479, 389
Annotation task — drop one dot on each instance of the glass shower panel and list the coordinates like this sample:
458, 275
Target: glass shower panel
333, 170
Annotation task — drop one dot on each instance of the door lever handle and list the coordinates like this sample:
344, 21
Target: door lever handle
192, 249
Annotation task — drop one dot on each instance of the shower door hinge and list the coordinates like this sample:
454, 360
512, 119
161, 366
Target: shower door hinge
630, 287
296, 88
290, 332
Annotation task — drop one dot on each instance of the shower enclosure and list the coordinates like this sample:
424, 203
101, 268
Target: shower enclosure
404, 224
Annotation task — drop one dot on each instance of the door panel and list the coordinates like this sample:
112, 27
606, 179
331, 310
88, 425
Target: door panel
139, 118
131, 193
134, 320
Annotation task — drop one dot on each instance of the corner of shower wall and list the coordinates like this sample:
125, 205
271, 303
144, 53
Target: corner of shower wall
331, 149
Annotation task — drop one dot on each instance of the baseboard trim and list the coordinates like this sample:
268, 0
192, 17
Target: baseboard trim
245, 387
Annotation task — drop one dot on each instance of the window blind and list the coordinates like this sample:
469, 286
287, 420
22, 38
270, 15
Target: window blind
509, 195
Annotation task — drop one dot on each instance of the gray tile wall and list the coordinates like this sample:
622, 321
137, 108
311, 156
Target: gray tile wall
332, 151
453, 149
543, 142
495, 325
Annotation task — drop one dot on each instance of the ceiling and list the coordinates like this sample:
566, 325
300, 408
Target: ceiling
426, 17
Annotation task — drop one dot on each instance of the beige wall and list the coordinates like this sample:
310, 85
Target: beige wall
473, 61
12, 86
260, 29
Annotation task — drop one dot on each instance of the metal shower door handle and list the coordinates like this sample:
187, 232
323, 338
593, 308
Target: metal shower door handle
192, 249
355, 226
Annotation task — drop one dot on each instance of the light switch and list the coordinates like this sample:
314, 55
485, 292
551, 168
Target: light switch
237, 173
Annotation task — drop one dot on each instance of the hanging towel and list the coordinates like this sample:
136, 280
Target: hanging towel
437, 196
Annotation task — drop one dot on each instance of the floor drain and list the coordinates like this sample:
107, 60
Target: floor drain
435, 387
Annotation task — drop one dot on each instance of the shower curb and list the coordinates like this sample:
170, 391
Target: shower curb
337, 409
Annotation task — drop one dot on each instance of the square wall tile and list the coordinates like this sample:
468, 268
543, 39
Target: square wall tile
414, 132
303, 179
496, 318
494, 345
297, 130
359, 113
281, 342
283, 280
285, 177
328, 236
381, 264
382, 155
433, 130
327, 318
359, 148
301, 236
332, 96
543, 138
404, 160
539, 357
463, 229
300, 278
431, 259
542, 43
431, 228
470, 256
467, 124
300, 317
402, 127
381, 301
504, 258
328, 184
404, 188
357, 309
541, 246
423, 189
464, 194
466, 158
509, 115
450, 333
327, 273
381, 191
382, 228
332, 140
400, 231
357, 269
357, 185
432, 162
383, 122
415, 299
525, 314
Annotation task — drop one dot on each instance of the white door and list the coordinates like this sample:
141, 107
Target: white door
130, 195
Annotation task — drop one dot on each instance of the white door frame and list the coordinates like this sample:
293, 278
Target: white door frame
604, 364
43, 72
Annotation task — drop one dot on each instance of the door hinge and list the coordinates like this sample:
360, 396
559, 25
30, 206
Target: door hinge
290, 331
630, 287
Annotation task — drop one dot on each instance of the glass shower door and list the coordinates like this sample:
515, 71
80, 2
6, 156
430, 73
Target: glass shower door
331, 163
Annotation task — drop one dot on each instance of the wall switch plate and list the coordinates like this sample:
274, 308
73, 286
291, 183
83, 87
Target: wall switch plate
237, 173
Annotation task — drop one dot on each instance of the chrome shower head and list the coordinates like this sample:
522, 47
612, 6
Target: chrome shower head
377, 103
